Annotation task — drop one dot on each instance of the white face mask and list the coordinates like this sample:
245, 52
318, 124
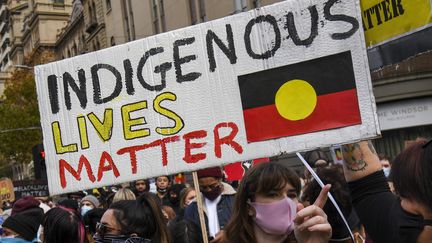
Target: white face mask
386, 171
85, 209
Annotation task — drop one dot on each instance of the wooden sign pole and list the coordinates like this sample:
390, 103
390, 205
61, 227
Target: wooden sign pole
200, 207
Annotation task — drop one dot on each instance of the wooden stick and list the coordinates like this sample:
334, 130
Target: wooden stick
200, 207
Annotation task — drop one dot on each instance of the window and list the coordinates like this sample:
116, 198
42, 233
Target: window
94, 12
74, 49
257, 3
83, 45
192, 9
108, 4
162, 15
155, 17
90, 13
112, 41
59, 1
203, 15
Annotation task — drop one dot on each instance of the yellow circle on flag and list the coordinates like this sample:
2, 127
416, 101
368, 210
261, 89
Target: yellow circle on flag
295, 100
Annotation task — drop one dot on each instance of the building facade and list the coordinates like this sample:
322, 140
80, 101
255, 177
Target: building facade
18, 10
44, 21
4, 44
94, 22
71, 41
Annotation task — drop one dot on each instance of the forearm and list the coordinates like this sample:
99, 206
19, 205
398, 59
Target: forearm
360, 160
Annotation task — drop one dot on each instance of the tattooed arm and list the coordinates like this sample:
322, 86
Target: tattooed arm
360, 160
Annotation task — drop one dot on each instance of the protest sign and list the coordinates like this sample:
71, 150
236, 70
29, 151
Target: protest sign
384, 20
287, 77
35, 188
6, 190
236, 171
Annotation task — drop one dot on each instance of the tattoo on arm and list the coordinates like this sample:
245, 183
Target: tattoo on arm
354, 158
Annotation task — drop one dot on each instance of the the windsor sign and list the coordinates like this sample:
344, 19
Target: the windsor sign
282, 78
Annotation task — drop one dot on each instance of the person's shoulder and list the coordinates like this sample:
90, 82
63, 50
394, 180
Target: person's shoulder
228, 190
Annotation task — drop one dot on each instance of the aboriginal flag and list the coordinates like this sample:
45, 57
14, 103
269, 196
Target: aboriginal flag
300, 98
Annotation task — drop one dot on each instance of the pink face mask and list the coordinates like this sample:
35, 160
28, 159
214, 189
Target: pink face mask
275, 218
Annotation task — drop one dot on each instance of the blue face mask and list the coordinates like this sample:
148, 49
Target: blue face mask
386, 171
9, 239
85, 209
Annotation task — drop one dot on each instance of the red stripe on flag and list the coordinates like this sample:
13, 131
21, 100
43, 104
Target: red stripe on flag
332, 111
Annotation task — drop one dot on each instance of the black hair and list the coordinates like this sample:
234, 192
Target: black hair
334, 175
313, 156
142, 217
92, 217
411, 173
167, 176
185, 231
63, 225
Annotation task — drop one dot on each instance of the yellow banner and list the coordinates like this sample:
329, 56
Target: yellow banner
386, 19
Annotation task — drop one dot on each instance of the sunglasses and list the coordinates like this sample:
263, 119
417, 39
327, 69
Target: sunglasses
102, 229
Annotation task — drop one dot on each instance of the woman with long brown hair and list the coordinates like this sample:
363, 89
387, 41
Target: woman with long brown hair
265, 209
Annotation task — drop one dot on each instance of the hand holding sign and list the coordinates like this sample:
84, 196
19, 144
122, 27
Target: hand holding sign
310, 224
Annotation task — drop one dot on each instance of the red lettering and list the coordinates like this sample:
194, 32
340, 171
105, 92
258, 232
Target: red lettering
134, 149
162, 143
111, 166
193, 158
83, 161
228, 140
132, 154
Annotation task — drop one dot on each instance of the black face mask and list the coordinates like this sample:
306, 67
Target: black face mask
174, 200
119, 239
213, 193
161, 190
412, 226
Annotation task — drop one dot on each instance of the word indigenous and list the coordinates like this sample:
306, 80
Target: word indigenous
228, 48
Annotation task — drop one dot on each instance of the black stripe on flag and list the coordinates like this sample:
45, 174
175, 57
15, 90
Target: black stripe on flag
327, 74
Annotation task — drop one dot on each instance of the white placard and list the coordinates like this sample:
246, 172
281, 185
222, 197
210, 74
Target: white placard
206, 95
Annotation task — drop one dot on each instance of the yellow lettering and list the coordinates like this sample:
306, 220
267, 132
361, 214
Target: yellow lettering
82, 126
104, 129
178, 122
60, 148
128, 122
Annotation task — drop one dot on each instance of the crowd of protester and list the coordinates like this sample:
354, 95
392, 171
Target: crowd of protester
272, 203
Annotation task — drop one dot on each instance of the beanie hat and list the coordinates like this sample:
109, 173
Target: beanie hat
215, 172
69, 203
25, 203
26, 223
91, 199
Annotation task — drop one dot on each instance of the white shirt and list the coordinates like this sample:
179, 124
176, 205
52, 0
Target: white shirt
213, 221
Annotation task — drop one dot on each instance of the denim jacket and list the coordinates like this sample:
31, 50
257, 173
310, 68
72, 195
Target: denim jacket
224, 208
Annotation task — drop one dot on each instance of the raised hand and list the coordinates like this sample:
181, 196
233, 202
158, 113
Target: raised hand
310, 224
